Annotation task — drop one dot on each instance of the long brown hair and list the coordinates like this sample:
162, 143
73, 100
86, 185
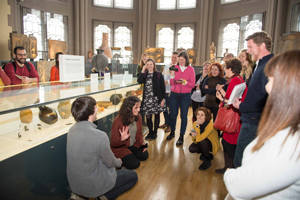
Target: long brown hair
221, 74
282, 109
141, 61
247, 71
154, 66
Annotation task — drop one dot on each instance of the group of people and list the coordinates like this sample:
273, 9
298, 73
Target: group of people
21, 72
261, 159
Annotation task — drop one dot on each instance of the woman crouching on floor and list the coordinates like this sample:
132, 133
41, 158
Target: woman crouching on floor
126, 134
204, 137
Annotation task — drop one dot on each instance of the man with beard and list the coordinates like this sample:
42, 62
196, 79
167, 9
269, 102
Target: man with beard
259, 46
20, 71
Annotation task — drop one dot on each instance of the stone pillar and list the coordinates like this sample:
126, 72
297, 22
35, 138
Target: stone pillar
271, 17
205, 30
279, 28
144, 26
81, 27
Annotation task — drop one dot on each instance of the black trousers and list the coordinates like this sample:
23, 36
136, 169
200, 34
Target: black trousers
126, 179
132, 161
203, 147
229, 148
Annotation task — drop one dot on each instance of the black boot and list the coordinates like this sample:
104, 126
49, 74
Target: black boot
153, 136
228, 163
149, 136
206, 163
180, 140
171, 135
201, 157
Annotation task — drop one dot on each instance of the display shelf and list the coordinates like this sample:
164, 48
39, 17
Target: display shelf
15, 138
19, 97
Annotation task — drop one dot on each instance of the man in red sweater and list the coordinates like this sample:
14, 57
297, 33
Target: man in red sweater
20, 74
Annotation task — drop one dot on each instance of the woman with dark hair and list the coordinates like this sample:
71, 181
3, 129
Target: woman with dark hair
247, 66
126, 134
197, 98
271, 162
153, 96
204, 137
91, 165
182, 81
232, 70
215, 77
54, 73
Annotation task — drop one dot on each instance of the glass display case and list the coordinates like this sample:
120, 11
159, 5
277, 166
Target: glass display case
122, 65
34, 123
24, 118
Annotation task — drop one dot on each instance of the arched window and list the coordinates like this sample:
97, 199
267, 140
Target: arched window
123, 4
166, 4
166, 40
99, 30
175, 4
185, 38
122, 37
185, 4
32, 25
55, 27
252, 27
231, 38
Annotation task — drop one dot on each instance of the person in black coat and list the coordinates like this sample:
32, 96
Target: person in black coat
197, 97
153, 96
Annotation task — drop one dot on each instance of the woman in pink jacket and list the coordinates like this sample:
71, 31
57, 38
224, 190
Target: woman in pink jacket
182, 82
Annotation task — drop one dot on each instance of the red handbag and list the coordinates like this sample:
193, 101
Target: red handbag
228, 119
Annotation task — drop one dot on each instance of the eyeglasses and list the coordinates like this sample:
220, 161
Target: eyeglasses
214, 69
21, 54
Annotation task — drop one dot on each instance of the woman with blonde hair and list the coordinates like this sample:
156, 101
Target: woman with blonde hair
271, 162
247, 66
140, 66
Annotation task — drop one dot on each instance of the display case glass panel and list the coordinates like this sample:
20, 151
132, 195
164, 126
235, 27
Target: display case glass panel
34, 114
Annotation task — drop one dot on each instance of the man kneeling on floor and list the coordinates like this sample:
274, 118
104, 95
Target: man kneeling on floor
90, 162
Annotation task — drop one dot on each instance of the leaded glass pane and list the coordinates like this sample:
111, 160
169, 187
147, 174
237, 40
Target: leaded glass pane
32, 25
55, 27
127, 4
185, 38
122, 37
166, 40
105, 3
183, 4
166, 4
252, 27
99, 30
231, 38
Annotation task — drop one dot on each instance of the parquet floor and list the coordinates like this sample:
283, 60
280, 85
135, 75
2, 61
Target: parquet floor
171, 173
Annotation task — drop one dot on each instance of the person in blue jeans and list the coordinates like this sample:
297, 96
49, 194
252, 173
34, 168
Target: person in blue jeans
166, 72
259, 45
182, 82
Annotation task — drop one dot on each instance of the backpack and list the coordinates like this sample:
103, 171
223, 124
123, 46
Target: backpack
15, 67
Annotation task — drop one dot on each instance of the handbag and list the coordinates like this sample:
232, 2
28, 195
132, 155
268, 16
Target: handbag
228, 119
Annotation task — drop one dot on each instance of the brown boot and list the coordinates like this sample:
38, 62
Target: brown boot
168, 129
228, 163
163, 126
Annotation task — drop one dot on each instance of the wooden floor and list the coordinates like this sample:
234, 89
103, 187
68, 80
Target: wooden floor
172, 172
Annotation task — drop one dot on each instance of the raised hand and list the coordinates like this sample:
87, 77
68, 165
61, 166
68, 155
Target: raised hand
124, 133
